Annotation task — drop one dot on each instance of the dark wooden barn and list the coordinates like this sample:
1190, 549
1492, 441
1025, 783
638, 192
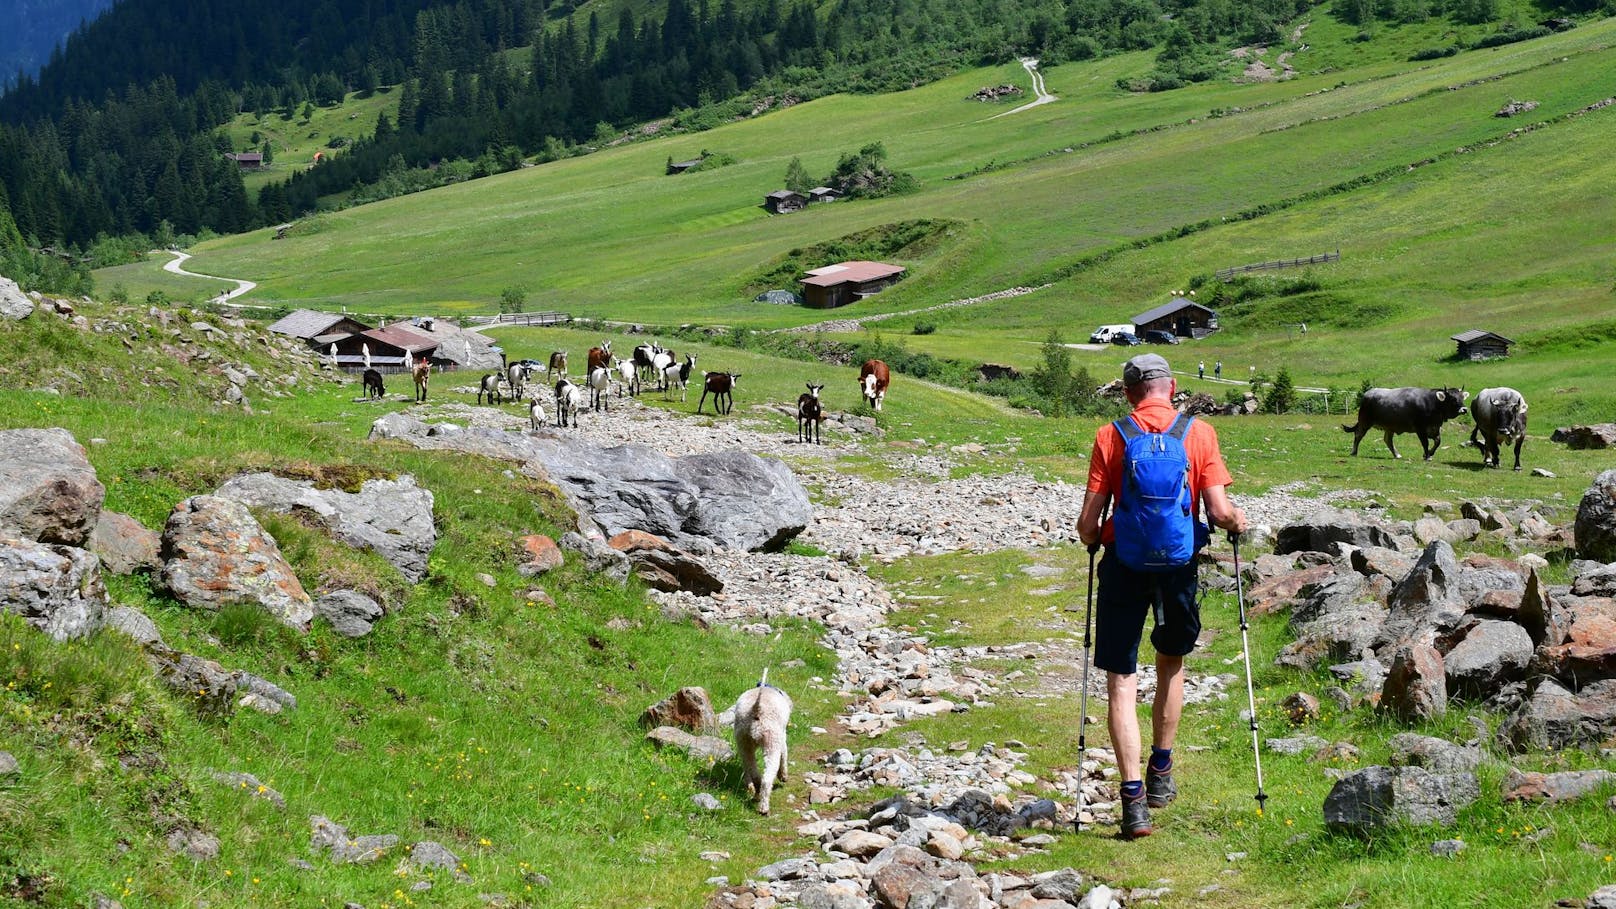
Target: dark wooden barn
847, 282
1181, 317
1476, 344
315, 327
784, 201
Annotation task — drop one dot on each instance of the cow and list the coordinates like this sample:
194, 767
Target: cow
810, 415
558, 364
489, 386
1498, 412
722, 386
874, 377
600, 357
1421, 411
373, 384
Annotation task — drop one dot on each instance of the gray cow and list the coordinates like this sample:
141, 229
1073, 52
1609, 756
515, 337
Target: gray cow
1498, 412
1421, 411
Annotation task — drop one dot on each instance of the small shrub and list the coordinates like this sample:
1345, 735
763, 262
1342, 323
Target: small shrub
923, 328
1433, 53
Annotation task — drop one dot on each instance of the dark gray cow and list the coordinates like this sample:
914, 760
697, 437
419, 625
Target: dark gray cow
1421, 411
1498, 412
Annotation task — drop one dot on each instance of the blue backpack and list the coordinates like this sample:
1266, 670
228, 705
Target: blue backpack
1155, 524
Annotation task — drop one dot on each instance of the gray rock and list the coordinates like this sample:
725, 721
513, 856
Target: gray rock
1555, 787
1554, 718
1378, 797
1596, 520
688, 708
1447, 848
204, 683
1101, 897
787, 869
1388, 563
215, 554
14, 304
1416, 685
252, 787
56, 589
674, 569
1603, 898
1331, 525
265, 690
1596, 582
1428, 530
1411, 749
701, 747
429, 854
1364, 676
598, 557
397, 425
124, 544
1426, 602
706, 802
1336, 619
363, 850
1544, 621
392, 518
193, 844
134, 624
747, 502
1594, 437
1064, 884
1492, 652
351, 613
9, 770
1300, 744
48, 490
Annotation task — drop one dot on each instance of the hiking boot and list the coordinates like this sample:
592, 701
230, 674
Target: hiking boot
1159, 786
1135, 818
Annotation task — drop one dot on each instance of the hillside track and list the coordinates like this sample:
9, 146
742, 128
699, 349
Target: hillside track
1030, 64
176, 266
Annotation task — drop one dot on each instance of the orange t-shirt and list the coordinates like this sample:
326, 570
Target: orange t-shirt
1156, 415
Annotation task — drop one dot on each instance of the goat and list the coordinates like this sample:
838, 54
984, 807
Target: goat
489, 386
630, 378
600, 387
373, 384
677, 375
660, 363
535, 413
722, 386
599, 357
644, 358
874, 377
761, 717
568, 400
810, 416
421, 373
517, 375
558, 364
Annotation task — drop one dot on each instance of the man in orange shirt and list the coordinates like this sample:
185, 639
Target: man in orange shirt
1127, 595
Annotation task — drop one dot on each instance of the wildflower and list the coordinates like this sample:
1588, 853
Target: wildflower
484, 842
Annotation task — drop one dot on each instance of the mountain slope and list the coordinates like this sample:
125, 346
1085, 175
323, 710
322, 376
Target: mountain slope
35, 28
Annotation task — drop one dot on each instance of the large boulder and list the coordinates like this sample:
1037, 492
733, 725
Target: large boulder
393, 518
124, 544
57, 589
1410, 749
1597, 436
1425, 603
1377, 797
688, 708
1565, 786
14, 304
1336, 620
1588, 649
216, 554
1327, 526
48, 490
1595, 582
1596, 520
747, 502
1416, 685
1554, 718
1492, 653
1539, 614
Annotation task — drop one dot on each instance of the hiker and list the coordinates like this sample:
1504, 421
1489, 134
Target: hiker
1200, 371
1217, 370
1149, 566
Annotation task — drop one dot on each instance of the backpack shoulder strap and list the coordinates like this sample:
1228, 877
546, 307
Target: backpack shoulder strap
1128, 429
1180, 427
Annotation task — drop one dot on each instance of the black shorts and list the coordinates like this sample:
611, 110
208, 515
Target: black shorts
1124, 599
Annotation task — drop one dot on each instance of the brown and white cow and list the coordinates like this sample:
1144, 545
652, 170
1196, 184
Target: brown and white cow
874, 377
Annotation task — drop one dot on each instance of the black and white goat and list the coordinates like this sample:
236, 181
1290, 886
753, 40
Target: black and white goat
721, 385
810, 416
644, 359
659, 366
569, 398
600, 388
489, 387
677, 375
516, 376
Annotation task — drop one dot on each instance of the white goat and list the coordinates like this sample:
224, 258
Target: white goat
600, 387
535, 413
630, 378
569, 398
761, 717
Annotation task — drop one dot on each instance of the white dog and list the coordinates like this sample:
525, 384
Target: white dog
761, 717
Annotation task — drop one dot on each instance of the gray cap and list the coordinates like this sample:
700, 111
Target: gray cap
1145, 366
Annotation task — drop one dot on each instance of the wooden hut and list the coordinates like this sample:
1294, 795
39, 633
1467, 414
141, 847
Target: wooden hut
1476, 344
847, 282
679, 167
1180, 317
784, 201
314, 327
823, 194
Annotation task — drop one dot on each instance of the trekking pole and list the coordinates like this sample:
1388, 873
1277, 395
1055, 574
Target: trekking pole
1251, 696
1083, 709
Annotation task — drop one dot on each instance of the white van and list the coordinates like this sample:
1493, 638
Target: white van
1105, 333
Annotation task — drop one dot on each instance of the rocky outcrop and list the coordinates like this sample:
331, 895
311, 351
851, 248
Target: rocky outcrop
215, 554
1597, 436
1596, 520
57, 589
392, 518
1378, 797
1332, 526
48, 490
124, 544
14, 304
1554, 718
688, 708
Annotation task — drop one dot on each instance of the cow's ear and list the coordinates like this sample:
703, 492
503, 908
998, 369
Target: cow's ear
1441, 396
1525, 407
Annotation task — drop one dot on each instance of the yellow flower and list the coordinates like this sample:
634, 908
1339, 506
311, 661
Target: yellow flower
484, 842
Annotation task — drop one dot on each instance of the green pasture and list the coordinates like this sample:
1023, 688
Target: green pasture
139, 279
294, 141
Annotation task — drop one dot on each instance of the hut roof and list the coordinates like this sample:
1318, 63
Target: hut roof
308, 323
1476, 334
1167, 309
399, 337
854, 272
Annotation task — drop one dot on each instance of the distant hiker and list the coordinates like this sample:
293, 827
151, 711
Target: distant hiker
1174, 470
1217, 370
1304, 328
1200, 371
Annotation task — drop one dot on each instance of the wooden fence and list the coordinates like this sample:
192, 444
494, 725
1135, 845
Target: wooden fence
521, 318
1227, 274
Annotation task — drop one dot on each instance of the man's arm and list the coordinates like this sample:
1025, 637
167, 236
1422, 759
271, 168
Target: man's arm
1219, 510
1088, 523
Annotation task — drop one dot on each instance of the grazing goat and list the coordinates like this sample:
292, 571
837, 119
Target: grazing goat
489, 386
677, 375
600, 357
373, 384
644, 358
516, 375
600, 388
660, 363
630, 378
810, 416
761, 717
568, 400
558, 364
421, 373
874, 377
722, 386
535, 413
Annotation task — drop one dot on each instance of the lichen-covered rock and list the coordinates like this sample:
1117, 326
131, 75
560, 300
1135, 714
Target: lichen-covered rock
48, 490
124, 544
1378, 797
1554, 718
1596, 520
215, 554
14, 304
1416, 685
57, 589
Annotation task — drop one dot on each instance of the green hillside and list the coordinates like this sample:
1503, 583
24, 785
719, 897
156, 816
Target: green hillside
294, 140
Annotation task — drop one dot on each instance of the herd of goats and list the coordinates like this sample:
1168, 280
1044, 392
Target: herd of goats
606, 376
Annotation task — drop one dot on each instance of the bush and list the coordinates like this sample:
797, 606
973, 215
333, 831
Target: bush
1510, 36
513, 299
1433, 53
1282, 394
923, 328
